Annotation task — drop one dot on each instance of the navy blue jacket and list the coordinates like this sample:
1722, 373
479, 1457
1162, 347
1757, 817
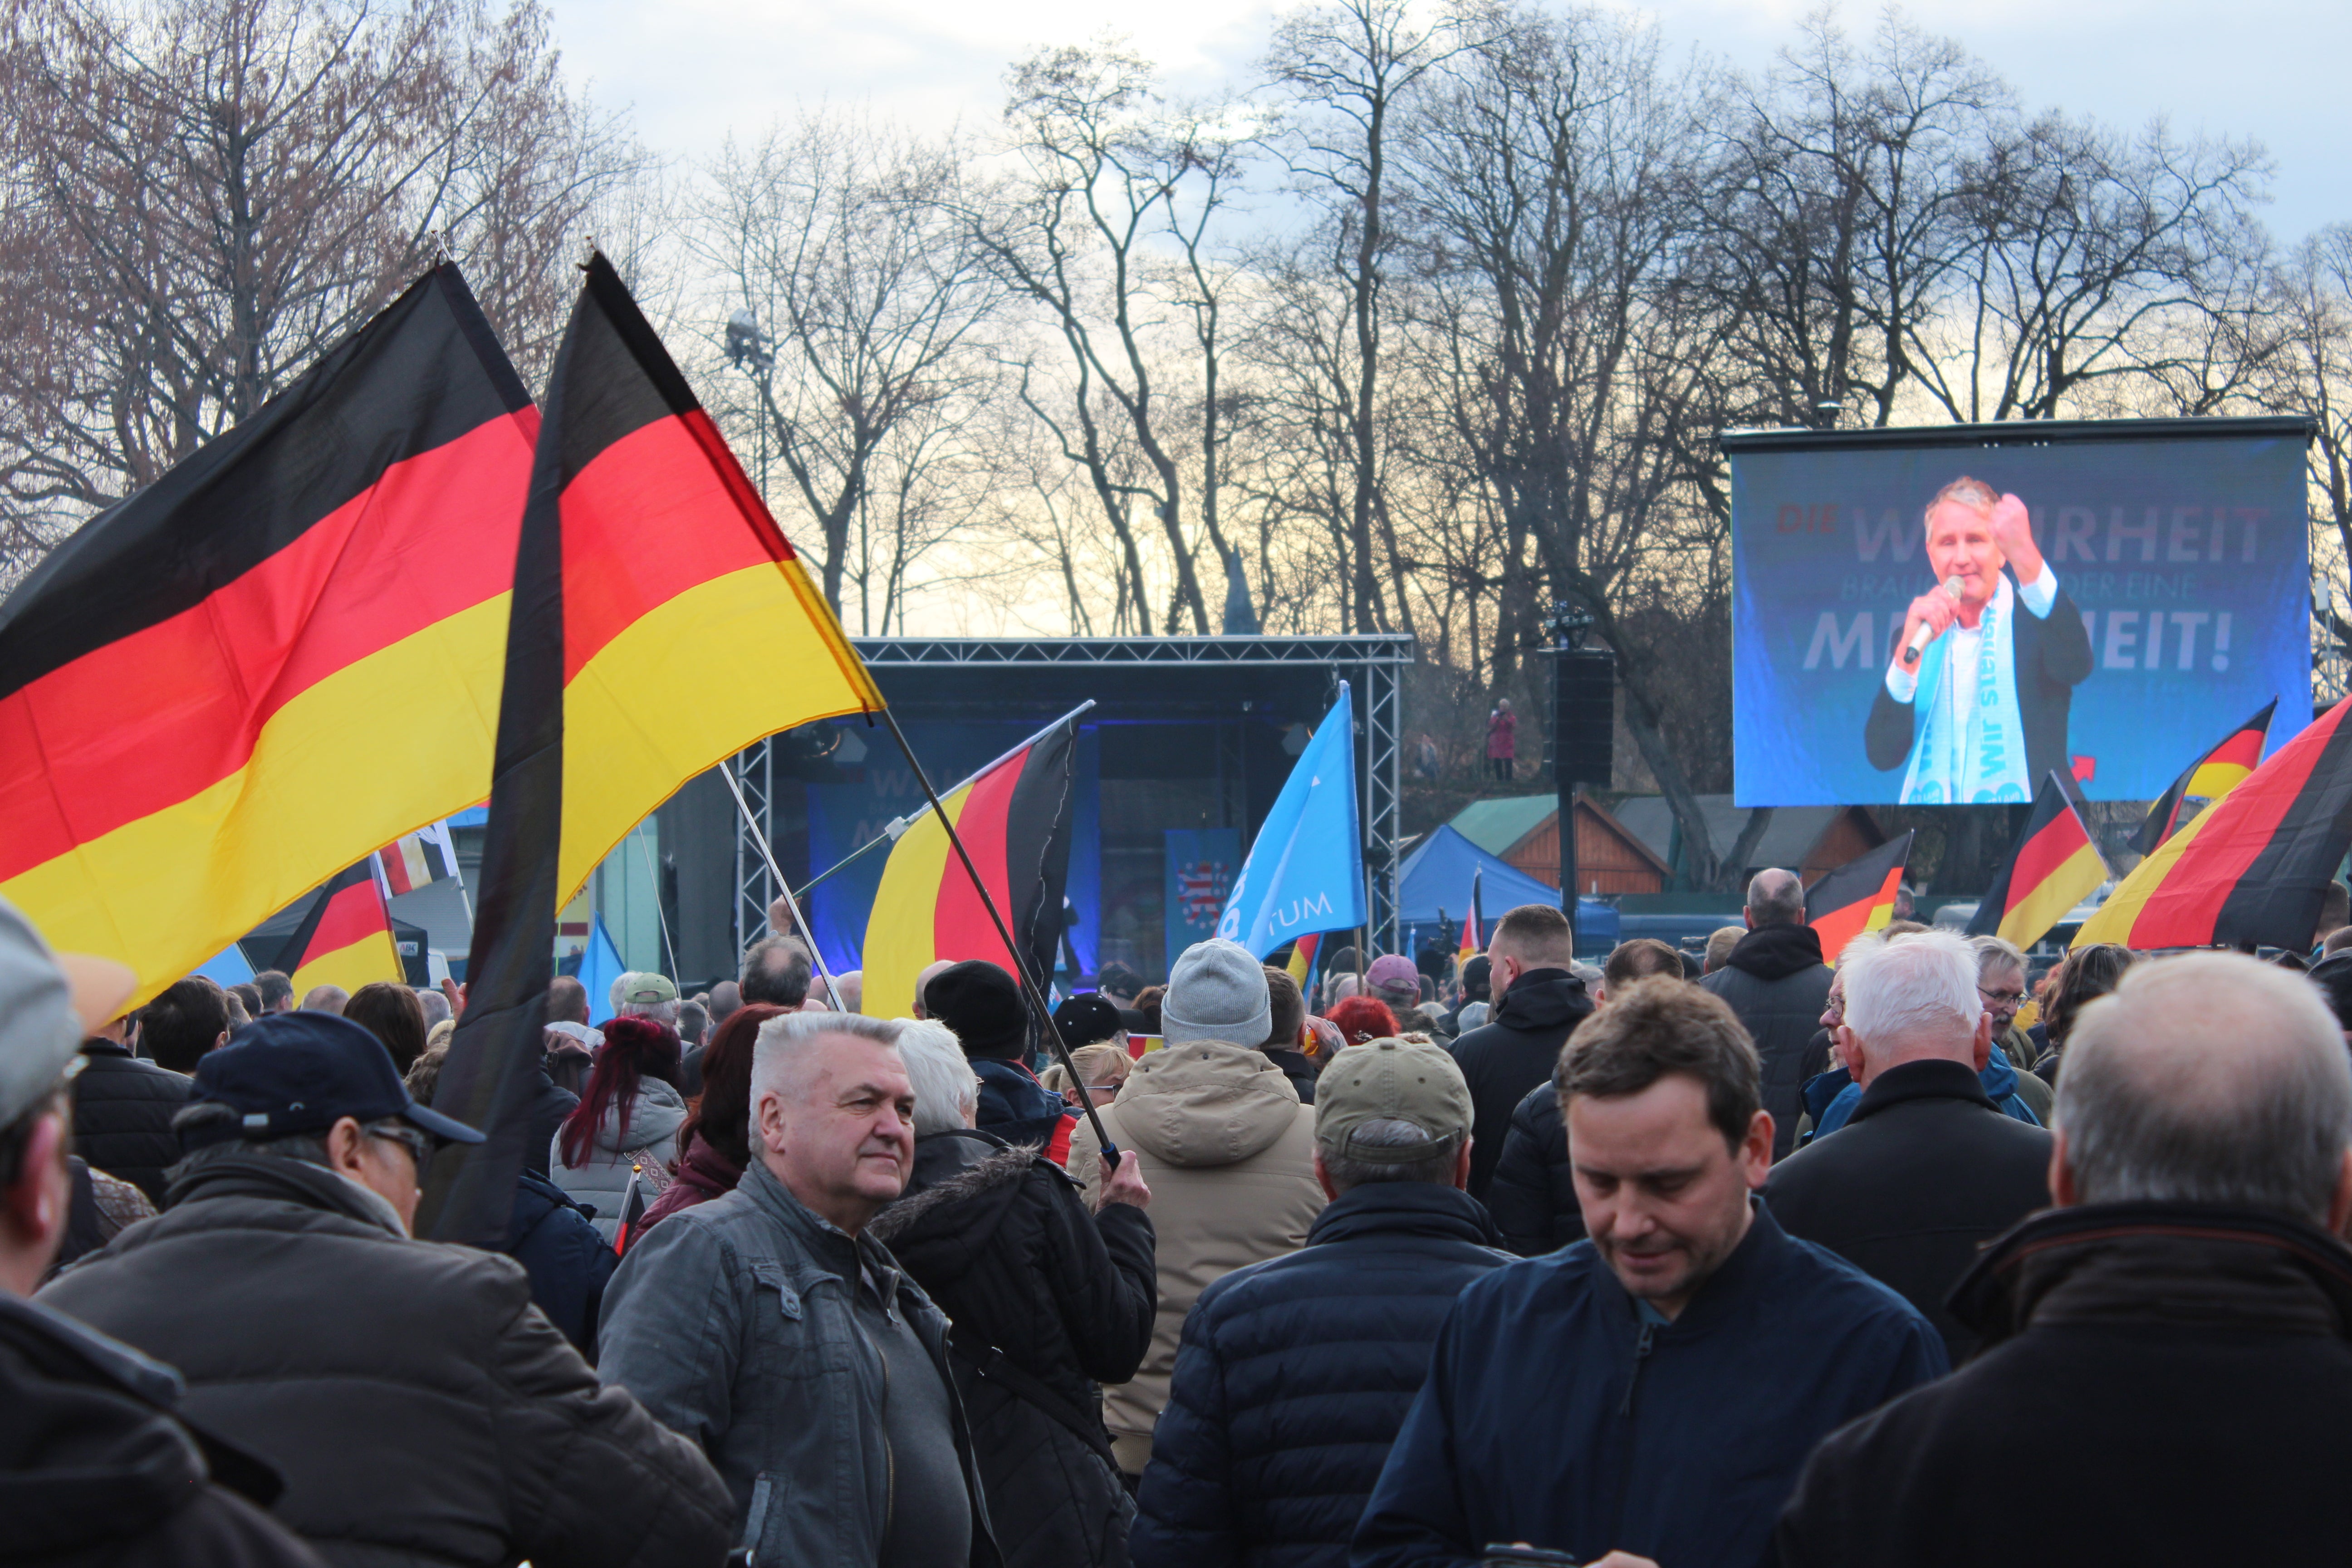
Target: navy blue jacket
1553, 1416
1293, 1375
1013, 1105
567, 1258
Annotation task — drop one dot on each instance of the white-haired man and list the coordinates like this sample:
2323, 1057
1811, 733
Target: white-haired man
1926, 1169
2173, 1342
1978, 687
768, 1327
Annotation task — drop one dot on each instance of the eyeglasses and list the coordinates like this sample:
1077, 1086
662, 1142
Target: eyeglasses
418, 1143
2001, 998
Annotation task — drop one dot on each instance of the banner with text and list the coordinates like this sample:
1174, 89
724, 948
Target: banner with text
1929, 623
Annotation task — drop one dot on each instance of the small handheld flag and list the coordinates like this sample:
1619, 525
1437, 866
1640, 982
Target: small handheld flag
2053, 867
1473, 941
1858, 897
2209, 778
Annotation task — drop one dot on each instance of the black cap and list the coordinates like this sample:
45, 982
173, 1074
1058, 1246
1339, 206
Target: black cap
302, 1072
1086, 1020
981, 1004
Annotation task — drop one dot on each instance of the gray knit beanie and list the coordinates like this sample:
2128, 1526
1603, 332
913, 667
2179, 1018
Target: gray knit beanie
1216, 992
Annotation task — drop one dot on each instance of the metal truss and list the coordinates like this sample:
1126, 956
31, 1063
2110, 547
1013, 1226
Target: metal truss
1374, 661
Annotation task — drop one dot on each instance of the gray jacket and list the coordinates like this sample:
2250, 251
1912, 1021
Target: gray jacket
732, 1322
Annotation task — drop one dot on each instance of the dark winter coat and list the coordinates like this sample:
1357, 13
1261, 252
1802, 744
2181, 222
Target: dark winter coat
123, 1108
2181, 1373
1294, 1376
703, 1173
420, 1410
1015, 1106
2053, 655
97, 1471
1533, 1194
1925, 1173
1555, 1415
1299, 1068
1000, 1237
550, 1104
1775, 980
565, 1256
1509, 1056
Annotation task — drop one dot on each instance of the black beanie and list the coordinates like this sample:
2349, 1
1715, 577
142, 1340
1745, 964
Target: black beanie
983, 1005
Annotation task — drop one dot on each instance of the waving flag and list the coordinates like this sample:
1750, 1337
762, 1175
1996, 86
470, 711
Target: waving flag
340, 934
1013, 815
2252, 868
197, 691
416, 860
2053, 867
1474, 941
2209, 778
1858, 897
1305, 870
661, 624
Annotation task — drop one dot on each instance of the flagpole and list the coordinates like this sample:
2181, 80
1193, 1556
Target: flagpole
898, 825
727, 771
653, 879
1029, 987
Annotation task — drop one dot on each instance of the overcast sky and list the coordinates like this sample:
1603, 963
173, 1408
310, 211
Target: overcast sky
690, 70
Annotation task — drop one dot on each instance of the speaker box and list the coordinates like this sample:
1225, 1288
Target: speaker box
1584, 716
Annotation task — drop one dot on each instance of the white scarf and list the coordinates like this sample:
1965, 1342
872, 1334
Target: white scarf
1977, 758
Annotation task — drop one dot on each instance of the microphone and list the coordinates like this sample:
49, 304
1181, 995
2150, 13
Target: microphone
1927, 634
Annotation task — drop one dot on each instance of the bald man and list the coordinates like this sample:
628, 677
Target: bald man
2173, 1342
1775, 980
923, 978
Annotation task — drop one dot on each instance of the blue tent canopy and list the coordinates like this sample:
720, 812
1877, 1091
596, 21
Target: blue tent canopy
1437, 875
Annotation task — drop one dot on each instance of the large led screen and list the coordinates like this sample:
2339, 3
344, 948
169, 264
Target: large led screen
1936, 618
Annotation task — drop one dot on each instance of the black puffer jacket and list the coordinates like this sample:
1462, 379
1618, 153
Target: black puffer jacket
1504, 1059
95, 1468
1295, 1375
420, 1410
1775, 980
1299, 1069
123, 1108
1533, 1194
565, 1255
1001, 1239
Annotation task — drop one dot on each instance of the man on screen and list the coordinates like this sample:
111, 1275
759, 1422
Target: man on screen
1977, 692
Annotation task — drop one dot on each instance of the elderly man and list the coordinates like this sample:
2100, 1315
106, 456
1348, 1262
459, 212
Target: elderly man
1777, 983
1331, 1341
1651, 1391
409, 1393
776, 970
2001, 986
2173, 1342
1977, 691
769, 1328
641, 994
1926, 1169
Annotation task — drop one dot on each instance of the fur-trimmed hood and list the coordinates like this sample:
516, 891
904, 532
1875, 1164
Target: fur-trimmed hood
965, 1182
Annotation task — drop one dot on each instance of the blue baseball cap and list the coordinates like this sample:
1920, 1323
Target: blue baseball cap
302, 1072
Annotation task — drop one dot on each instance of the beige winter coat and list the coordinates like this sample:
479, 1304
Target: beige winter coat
1229, 1155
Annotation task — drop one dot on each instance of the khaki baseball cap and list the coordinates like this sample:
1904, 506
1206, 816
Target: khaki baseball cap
1389, 1080
643, 988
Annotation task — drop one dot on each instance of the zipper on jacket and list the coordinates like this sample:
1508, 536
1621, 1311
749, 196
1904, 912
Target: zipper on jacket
1642, 1348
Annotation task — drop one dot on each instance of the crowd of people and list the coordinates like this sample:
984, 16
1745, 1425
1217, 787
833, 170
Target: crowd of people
1653, 1264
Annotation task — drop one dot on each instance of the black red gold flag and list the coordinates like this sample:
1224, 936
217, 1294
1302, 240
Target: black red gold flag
2252, 869
2209, 778
213, 695
1858, 897
2053, 867
661, 624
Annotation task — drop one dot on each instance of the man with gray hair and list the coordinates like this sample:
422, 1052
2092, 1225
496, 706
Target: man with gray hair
641, 994
776, 970
1333, 1339
2171, 1340
1926, 1169
2001, 986
1775, 981
770, 1328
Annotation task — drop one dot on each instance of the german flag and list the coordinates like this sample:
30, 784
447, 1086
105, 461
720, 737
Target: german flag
343, 936
1301, 966
1858, 897
2053, 867
2209, 778
1013, 815
661, 624
208, 694
417, 859
2252, 869
1474, 942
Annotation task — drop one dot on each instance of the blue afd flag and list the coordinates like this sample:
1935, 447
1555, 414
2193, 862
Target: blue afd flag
599, 967
1305, 871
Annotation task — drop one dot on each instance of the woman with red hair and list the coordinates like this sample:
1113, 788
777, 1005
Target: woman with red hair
626, 1122
716, 1133
1362, 1019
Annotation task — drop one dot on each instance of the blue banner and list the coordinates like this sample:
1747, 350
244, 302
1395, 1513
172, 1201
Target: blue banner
2121, 602
1305, 870
1201, 863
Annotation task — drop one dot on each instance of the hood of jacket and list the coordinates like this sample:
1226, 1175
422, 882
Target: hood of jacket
656, 1113
1542, 999
939, 1231
1405, 1208
707, 1170
1207, 1103
284, 1180
1776, 953
2185, 1266
1013, 1105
